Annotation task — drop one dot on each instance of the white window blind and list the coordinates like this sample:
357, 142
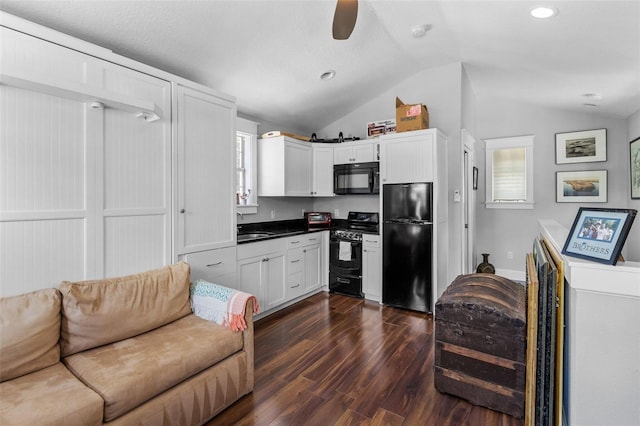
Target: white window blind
509, 177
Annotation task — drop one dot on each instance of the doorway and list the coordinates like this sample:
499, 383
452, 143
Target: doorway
470, 182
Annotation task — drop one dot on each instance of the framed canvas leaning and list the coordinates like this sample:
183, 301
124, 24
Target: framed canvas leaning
634, 157
599, 234
586, 146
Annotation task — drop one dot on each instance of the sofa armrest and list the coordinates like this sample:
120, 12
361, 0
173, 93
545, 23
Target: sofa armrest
248, 342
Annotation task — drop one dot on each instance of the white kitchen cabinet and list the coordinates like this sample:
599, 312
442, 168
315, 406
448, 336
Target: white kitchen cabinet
205, 190
355, 152
262, 272
292, 168
90, 167
322, 181
372, 267
410, 156
304, 257
216, 266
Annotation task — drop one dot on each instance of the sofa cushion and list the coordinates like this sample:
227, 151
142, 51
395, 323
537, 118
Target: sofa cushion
51, 396
29, 332
132, 371
99, 312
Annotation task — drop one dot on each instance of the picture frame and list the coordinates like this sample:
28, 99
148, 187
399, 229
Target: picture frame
598, 234
585, 146
587, 186
634, 167
475, 178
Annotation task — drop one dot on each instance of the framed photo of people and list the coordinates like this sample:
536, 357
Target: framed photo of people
599, 234
586, 146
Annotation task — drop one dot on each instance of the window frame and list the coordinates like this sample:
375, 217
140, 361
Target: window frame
496, 144
248, 129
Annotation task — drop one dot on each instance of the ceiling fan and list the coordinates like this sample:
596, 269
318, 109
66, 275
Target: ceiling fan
344, 19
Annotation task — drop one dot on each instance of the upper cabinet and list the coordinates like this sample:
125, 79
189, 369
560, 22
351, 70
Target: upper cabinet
411, 156
355, 152
205, 190
291, 168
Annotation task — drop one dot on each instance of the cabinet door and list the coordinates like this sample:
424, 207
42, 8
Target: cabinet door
250, 278
408, 159
371, 268
364, 153
323, 172
274, 283
205, 189
298, 170
343, 155
312, 277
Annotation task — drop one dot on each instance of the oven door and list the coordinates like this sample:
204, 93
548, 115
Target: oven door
345, 284
345, 256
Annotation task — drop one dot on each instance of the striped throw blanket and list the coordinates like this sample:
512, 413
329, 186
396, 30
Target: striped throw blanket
220, 304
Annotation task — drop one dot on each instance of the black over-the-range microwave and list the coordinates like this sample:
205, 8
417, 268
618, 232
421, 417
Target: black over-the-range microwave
356, 178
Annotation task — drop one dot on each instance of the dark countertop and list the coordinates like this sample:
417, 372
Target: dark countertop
274, 229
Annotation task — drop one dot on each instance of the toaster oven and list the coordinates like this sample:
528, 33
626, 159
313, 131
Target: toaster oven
318, 220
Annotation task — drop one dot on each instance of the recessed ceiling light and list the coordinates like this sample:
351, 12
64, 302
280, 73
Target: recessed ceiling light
328, 75
543, 12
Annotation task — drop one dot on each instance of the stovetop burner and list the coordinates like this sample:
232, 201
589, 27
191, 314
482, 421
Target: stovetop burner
357, 223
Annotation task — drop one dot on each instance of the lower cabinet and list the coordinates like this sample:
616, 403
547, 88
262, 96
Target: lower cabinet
261, 272
216, 266
372, 267
280, 270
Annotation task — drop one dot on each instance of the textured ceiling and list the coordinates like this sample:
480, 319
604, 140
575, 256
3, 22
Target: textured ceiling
270, 54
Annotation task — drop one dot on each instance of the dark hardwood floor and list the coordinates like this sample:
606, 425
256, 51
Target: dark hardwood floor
337, 360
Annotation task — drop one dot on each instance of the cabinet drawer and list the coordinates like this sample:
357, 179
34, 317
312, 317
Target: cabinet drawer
212, 264
304, 240
371, 240
295, 261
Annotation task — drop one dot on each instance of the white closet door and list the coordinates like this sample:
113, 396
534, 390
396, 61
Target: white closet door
137, 176
206, 162
44, 176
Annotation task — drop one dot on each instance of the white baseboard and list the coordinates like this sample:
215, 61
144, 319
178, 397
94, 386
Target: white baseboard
511, 274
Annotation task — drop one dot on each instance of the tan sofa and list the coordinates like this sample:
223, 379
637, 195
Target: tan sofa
119, 351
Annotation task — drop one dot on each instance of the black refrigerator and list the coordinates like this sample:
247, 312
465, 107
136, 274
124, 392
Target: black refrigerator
407, 234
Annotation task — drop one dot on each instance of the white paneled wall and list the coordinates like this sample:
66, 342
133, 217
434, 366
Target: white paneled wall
84, 192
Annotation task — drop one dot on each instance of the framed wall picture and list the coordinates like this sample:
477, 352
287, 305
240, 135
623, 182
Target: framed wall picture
475, 178
634, 157
599, 234
586, 146
589, 186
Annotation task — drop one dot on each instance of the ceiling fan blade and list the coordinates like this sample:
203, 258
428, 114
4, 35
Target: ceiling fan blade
344, 19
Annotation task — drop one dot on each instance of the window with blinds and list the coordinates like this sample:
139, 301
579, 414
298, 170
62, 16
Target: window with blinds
509, 172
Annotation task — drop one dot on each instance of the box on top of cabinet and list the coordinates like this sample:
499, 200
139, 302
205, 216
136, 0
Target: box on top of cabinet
411, 117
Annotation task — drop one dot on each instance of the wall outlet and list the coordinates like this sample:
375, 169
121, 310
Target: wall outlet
336, 212
273, 214
510, 255
303, 212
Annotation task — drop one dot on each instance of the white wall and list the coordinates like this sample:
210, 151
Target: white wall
499, 231
440, 89
632, 246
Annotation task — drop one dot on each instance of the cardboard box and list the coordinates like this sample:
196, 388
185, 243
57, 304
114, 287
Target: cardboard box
384, 127
411, 117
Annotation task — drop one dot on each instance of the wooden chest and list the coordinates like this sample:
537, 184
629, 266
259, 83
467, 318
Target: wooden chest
480, 333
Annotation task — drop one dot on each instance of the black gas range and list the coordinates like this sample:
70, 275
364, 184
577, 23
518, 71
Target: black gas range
345, 252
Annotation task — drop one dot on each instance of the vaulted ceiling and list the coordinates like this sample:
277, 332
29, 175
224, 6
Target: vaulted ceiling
270, 54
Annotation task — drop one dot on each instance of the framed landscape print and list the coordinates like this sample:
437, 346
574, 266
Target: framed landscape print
634, 157
589, 186
599, 234
586, 146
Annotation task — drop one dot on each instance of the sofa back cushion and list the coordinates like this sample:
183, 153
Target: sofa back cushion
96, 313
29, 333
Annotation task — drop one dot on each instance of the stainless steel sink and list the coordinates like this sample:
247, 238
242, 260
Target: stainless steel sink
254, 235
